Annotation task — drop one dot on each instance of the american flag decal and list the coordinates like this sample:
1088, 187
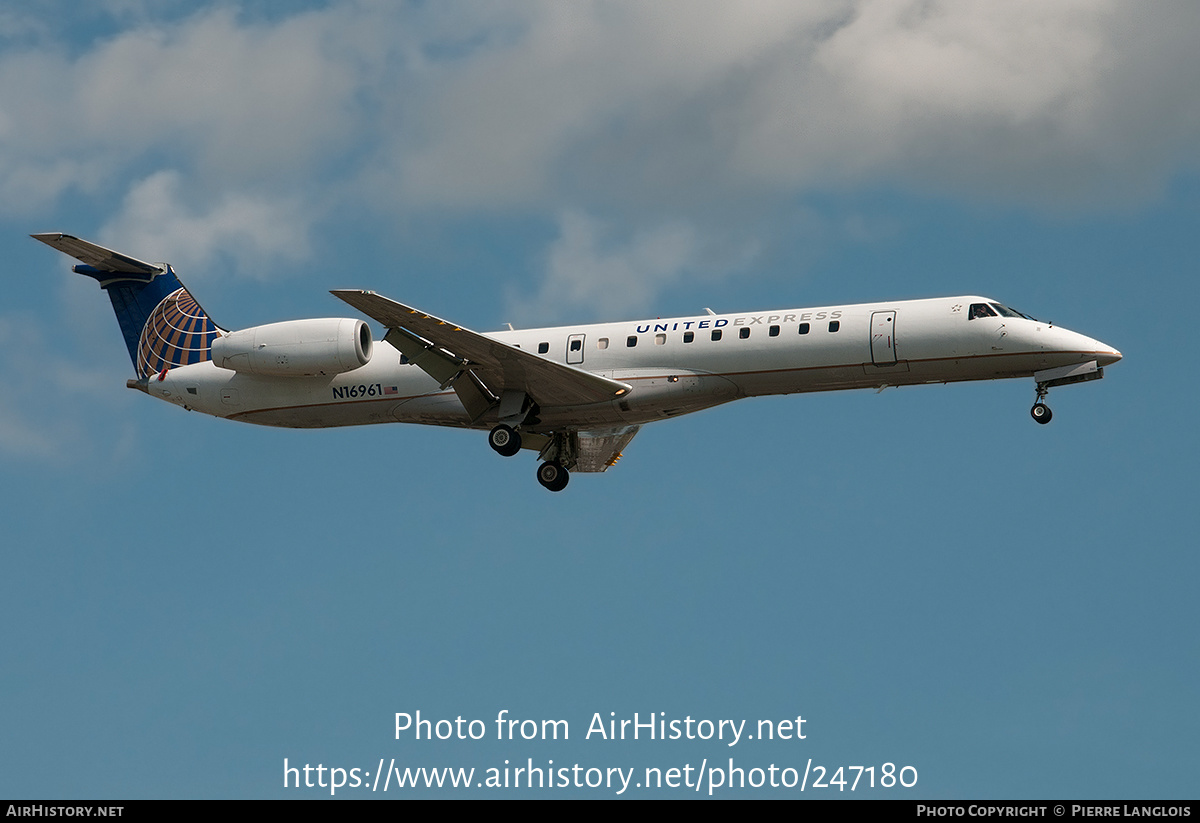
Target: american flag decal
390, 390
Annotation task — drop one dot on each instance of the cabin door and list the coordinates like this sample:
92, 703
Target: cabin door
575, 349
883, 338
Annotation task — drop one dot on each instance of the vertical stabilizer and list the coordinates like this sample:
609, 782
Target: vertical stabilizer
161, 322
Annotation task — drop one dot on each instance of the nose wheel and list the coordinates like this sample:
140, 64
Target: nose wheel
1040, 411
504, 440
553, 476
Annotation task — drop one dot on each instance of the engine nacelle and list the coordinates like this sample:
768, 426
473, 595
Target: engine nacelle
296, 348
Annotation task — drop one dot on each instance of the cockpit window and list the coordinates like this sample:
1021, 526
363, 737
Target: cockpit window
980, 310
1005, 311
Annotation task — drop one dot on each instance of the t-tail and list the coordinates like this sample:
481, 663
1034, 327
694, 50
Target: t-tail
162, 323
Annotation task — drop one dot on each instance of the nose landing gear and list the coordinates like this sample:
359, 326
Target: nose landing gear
1040, 411
1060, 376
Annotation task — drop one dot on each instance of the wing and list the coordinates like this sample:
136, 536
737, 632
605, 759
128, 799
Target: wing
599, 451
480, 369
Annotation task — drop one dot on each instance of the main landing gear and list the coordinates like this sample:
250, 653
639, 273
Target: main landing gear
558, 454
505, 440
1040, 411
553, 476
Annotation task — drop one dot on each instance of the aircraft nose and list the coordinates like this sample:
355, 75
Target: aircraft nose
1085, 347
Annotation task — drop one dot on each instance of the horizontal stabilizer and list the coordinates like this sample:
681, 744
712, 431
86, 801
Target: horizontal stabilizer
98, 257
498, 366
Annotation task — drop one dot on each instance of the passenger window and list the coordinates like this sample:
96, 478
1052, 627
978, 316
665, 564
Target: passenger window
980, 310
716, 335
543, 348
602, 343
743, 333
689, 336
773, 331
576, 345
804, 328
631, 341
660, 339
834, 325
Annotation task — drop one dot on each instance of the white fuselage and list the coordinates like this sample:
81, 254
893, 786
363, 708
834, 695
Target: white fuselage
674, 365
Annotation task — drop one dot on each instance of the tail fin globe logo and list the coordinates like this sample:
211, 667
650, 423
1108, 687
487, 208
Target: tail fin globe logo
176, 333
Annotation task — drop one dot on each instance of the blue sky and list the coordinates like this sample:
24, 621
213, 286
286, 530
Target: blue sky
925, 575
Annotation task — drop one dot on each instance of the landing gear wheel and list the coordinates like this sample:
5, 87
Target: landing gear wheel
1041, 412
504, 440
553, 476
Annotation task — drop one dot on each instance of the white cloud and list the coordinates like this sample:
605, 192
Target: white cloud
700, 113
543, 104
976, 99
243, 99
588, 272
158, 221
500, 125
1048, 103
229, 101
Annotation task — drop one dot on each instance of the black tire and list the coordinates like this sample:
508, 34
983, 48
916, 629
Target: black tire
1041, 413
504, 440
553, 476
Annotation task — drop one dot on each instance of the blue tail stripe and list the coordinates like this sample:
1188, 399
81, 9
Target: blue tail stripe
161, 322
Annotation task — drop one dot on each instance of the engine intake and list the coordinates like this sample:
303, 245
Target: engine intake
297, 348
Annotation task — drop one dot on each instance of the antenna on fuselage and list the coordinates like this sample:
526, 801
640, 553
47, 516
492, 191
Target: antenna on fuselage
710, 311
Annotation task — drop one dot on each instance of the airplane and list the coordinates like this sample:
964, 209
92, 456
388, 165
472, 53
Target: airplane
576, 395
